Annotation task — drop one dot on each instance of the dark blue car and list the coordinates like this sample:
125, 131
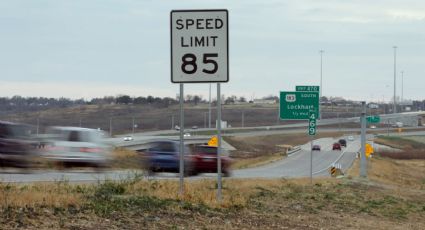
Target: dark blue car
164, 156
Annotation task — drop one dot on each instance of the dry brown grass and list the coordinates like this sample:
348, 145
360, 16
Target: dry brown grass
246, 204
125, 158
38, 195
257, 161
409, 174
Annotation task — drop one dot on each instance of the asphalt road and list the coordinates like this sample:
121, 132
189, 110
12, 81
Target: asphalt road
296, 165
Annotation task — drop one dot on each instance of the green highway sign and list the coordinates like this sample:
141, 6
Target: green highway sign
296, 105
311, 123
307, 88
373, 119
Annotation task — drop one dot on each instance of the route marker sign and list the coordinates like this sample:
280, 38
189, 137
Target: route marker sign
307, 88
373, 119
297, 105
199, 46
311, 123
368, 149
213, 141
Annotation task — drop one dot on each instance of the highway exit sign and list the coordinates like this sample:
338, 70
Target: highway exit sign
307, 88
373, 119
297, 105
199, 46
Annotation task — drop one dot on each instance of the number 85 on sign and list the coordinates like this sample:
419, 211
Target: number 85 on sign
311, 123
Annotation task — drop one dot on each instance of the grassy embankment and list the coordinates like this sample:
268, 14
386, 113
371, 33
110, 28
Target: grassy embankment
383, 202
412, 147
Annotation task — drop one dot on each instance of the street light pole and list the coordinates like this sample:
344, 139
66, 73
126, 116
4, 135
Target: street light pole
321, 89
395, 99
402, 89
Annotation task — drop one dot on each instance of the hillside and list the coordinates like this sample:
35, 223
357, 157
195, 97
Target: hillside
156, 117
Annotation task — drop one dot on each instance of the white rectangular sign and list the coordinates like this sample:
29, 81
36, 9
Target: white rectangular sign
199, 46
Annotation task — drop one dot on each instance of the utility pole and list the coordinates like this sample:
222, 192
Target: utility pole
321, 87
402, 89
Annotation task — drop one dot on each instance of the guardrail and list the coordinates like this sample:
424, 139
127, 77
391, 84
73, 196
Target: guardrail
293, 150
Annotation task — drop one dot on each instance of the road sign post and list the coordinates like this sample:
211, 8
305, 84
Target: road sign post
181, 163
363, 162
311, 132
200, 54
302, 104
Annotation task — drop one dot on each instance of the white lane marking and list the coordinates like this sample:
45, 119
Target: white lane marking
340, 156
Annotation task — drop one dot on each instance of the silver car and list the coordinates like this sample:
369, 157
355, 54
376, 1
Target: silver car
74, 145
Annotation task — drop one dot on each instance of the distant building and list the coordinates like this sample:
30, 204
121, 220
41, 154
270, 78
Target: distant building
373, 106
264, 101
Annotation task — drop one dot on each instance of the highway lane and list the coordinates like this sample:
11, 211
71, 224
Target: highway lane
296, 165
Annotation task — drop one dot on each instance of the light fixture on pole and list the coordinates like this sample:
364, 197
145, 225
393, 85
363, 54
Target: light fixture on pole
395, 98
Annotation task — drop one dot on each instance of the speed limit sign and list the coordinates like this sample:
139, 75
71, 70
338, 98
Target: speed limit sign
199, 46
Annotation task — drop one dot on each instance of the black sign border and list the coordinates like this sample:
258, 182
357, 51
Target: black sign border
171, 43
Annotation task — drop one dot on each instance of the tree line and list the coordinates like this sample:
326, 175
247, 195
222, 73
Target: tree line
22, 104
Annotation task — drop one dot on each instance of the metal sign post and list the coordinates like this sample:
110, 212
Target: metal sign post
311, 132
363, 162
181, 169
303, 104
219, 143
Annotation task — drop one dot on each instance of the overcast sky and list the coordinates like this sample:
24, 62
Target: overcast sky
96, 48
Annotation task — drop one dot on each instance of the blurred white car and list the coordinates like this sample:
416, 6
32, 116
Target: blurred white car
74, 145
128, 138
350, 138
186, 135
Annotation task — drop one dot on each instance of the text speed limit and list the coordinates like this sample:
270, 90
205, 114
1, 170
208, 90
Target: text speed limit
199, 46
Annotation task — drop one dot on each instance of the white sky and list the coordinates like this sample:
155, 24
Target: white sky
96, 48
